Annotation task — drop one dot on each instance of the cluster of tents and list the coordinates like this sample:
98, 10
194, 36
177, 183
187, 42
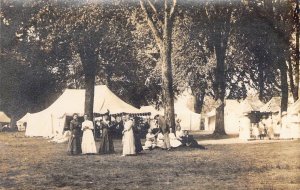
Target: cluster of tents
52, 120
237, 114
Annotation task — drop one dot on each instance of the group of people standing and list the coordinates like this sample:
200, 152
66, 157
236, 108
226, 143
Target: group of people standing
164, 137
87, 145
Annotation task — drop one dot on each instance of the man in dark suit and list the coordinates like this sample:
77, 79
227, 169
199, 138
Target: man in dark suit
165, 130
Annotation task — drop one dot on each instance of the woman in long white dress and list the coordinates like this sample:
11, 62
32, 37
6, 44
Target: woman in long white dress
173, 140
150, 141
160, 141
88, 145
128, 138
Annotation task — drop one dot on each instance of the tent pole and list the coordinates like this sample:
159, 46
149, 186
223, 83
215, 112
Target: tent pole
94, 126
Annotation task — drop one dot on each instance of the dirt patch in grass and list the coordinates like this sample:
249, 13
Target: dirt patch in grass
34, 163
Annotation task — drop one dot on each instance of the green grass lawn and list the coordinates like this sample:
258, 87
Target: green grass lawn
34, 163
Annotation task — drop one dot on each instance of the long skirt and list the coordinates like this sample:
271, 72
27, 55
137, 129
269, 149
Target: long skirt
175, 143
128, 143
74, 145
106, 143
88, 145
138, 144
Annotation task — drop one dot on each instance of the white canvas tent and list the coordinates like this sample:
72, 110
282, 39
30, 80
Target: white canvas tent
52, 120
247, 106
189, 120
20, 122
251, 104
292, 121
294, 108
4, 118
274, 105
152, 110
232, 114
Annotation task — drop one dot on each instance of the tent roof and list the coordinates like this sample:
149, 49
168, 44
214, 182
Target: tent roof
72, 101
107, 100
152, 110
231, 106
4, 118
24, 118
251, 104
179, 109
274, 105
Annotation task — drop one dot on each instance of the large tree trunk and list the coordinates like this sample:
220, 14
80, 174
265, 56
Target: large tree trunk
284, 86
89, 63
164, 42
89, 95
219, 127
220, 50
296, 88
261, 81
199, 100
291, 77
166, 68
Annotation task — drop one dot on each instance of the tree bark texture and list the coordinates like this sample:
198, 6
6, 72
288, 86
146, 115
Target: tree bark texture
164, 42
284, 86
296, 88
220, 51
199, 102
89, 63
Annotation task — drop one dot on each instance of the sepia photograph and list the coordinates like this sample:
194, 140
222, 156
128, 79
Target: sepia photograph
149, 94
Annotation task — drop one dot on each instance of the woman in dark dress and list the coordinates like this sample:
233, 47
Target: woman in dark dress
74, 145
137, 138
106, 143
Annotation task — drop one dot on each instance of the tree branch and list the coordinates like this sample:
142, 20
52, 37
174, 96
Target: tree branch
151, 24
173, 9
155, 12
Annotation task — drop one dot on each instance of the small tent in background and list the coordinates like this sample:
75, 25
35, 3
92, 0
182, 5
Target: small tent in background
151, 109
232, 115
189, 119
294, 108
4, 119
52, 120
251, 104
273, 106
292, 121
22, 122
249, 114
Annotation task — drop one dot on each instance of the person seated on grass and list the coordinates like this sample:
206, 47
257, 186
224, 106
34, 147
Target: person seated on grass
160, 142
179, 132
189, 141
150, 140
65, 138
173, 139
58, 138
